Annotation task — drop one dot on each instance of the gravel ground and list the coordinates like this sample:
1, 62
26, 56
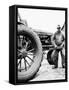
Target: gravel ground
47, 73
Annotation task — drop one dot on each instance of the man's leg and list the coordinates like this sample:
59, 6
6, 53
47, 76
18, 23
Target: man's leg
59, 60
63, 57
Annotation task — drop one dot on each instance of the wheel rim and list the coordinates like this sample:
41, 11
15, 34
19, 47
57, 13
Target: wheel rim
27, 49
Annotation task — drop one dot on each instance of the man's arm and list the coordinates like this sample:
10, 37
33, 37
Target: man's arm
53, 40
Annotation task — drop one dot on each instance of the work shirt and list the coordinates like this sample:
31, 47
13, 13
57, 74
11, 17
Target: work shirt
58, 38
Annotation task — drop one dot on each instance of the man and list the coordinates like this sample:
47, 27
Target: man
58, 42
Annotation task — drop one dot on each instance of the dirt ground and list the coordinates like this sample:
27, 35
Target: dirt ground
46, 72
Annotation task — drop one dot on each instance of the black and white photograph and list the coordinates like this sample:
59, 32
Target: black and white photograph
41, 45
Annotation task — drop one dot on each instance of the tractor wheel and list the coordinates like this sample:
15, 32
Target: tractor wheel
29, 53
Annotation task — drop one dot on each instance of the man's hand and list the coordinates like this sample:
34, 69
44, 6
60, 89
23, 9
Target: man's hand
55, 46
60, 47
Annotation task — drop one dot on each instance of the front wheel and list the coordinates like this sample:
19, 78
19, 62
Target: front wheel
29, 53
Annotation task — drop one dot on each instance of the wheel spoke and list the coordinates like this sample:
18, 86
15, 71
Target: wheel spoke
20, 61
29, 53
26, 61
20, 64
30, 59
25, 64
31, 50
26, 45
32, 54
19, 51
19, 54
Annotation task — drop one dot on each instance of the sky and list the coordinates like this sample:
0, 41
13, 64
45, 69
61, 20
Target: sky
43, 20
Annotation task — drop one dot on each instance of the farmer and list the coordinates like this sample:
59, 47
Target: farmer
58, 42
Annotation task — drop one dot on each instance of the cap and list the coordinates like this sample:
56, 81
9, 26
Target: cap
58, 27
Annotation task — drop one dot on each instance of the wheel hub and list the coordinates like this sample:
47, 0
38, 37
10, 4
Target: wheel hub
24, 54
